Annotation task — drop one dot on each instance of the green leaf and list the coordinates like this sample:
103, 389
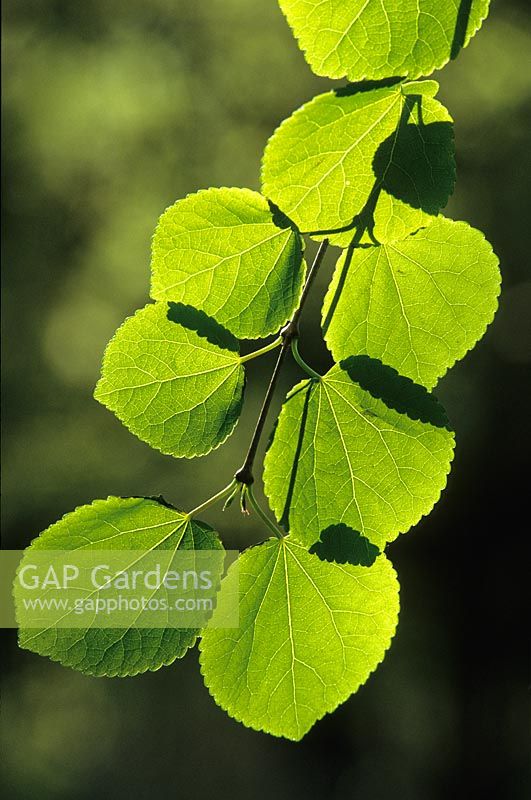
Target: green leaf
311, 632
418, 305
363, 164
174, 378
227, 253
374, 39
361, 446
133, 523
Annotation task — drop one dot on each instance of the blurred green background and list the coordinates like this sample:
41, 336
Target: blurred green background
113, 109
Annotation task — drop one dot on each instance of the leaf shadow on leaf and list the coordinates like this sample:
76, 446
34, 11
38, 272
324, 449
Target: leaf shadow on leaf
307, 387
403, 173
280, 219
343, 545
396, 391
461, 25
383, 383
400, 172
157, 498
205, 326
349, 253
367, 86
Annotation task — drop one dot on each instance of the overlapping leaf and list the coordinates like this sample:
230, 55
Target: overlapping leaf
419, 304
375, 39
367, 164
361, 446
225, 251
310, 634
118, 524
174, 378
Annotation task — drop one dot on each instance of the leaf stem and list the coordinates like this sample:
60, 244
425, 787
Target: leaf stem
288, 333
301, 362
262, 351
261, 513
232, 487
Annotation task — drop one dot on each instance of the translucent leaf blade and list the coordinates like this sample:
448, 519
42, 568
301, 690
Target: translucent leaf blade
418, 305
174, 378
363, 164
363, 447
225, 251
378, 39
311, 632
118, 523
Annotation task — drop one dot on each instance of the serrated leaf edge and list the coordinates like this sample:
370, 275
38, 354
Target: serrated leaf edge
128, 427
340, 74
426, 510
482, 331
117, 673
263, 728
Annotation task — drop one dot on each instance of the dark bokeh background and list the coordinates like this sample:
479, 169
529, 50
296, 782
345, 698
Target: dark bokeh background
113, 110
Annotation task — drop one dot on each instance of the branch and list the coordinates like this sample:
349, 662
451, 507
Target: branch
289, 333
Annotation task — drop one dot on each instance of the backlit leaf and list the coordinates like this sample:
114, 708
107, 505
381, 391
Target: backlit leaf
174, 378
418, 304
363, 164
225, 251
361, 446
311, 632
132, 523
374, 39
